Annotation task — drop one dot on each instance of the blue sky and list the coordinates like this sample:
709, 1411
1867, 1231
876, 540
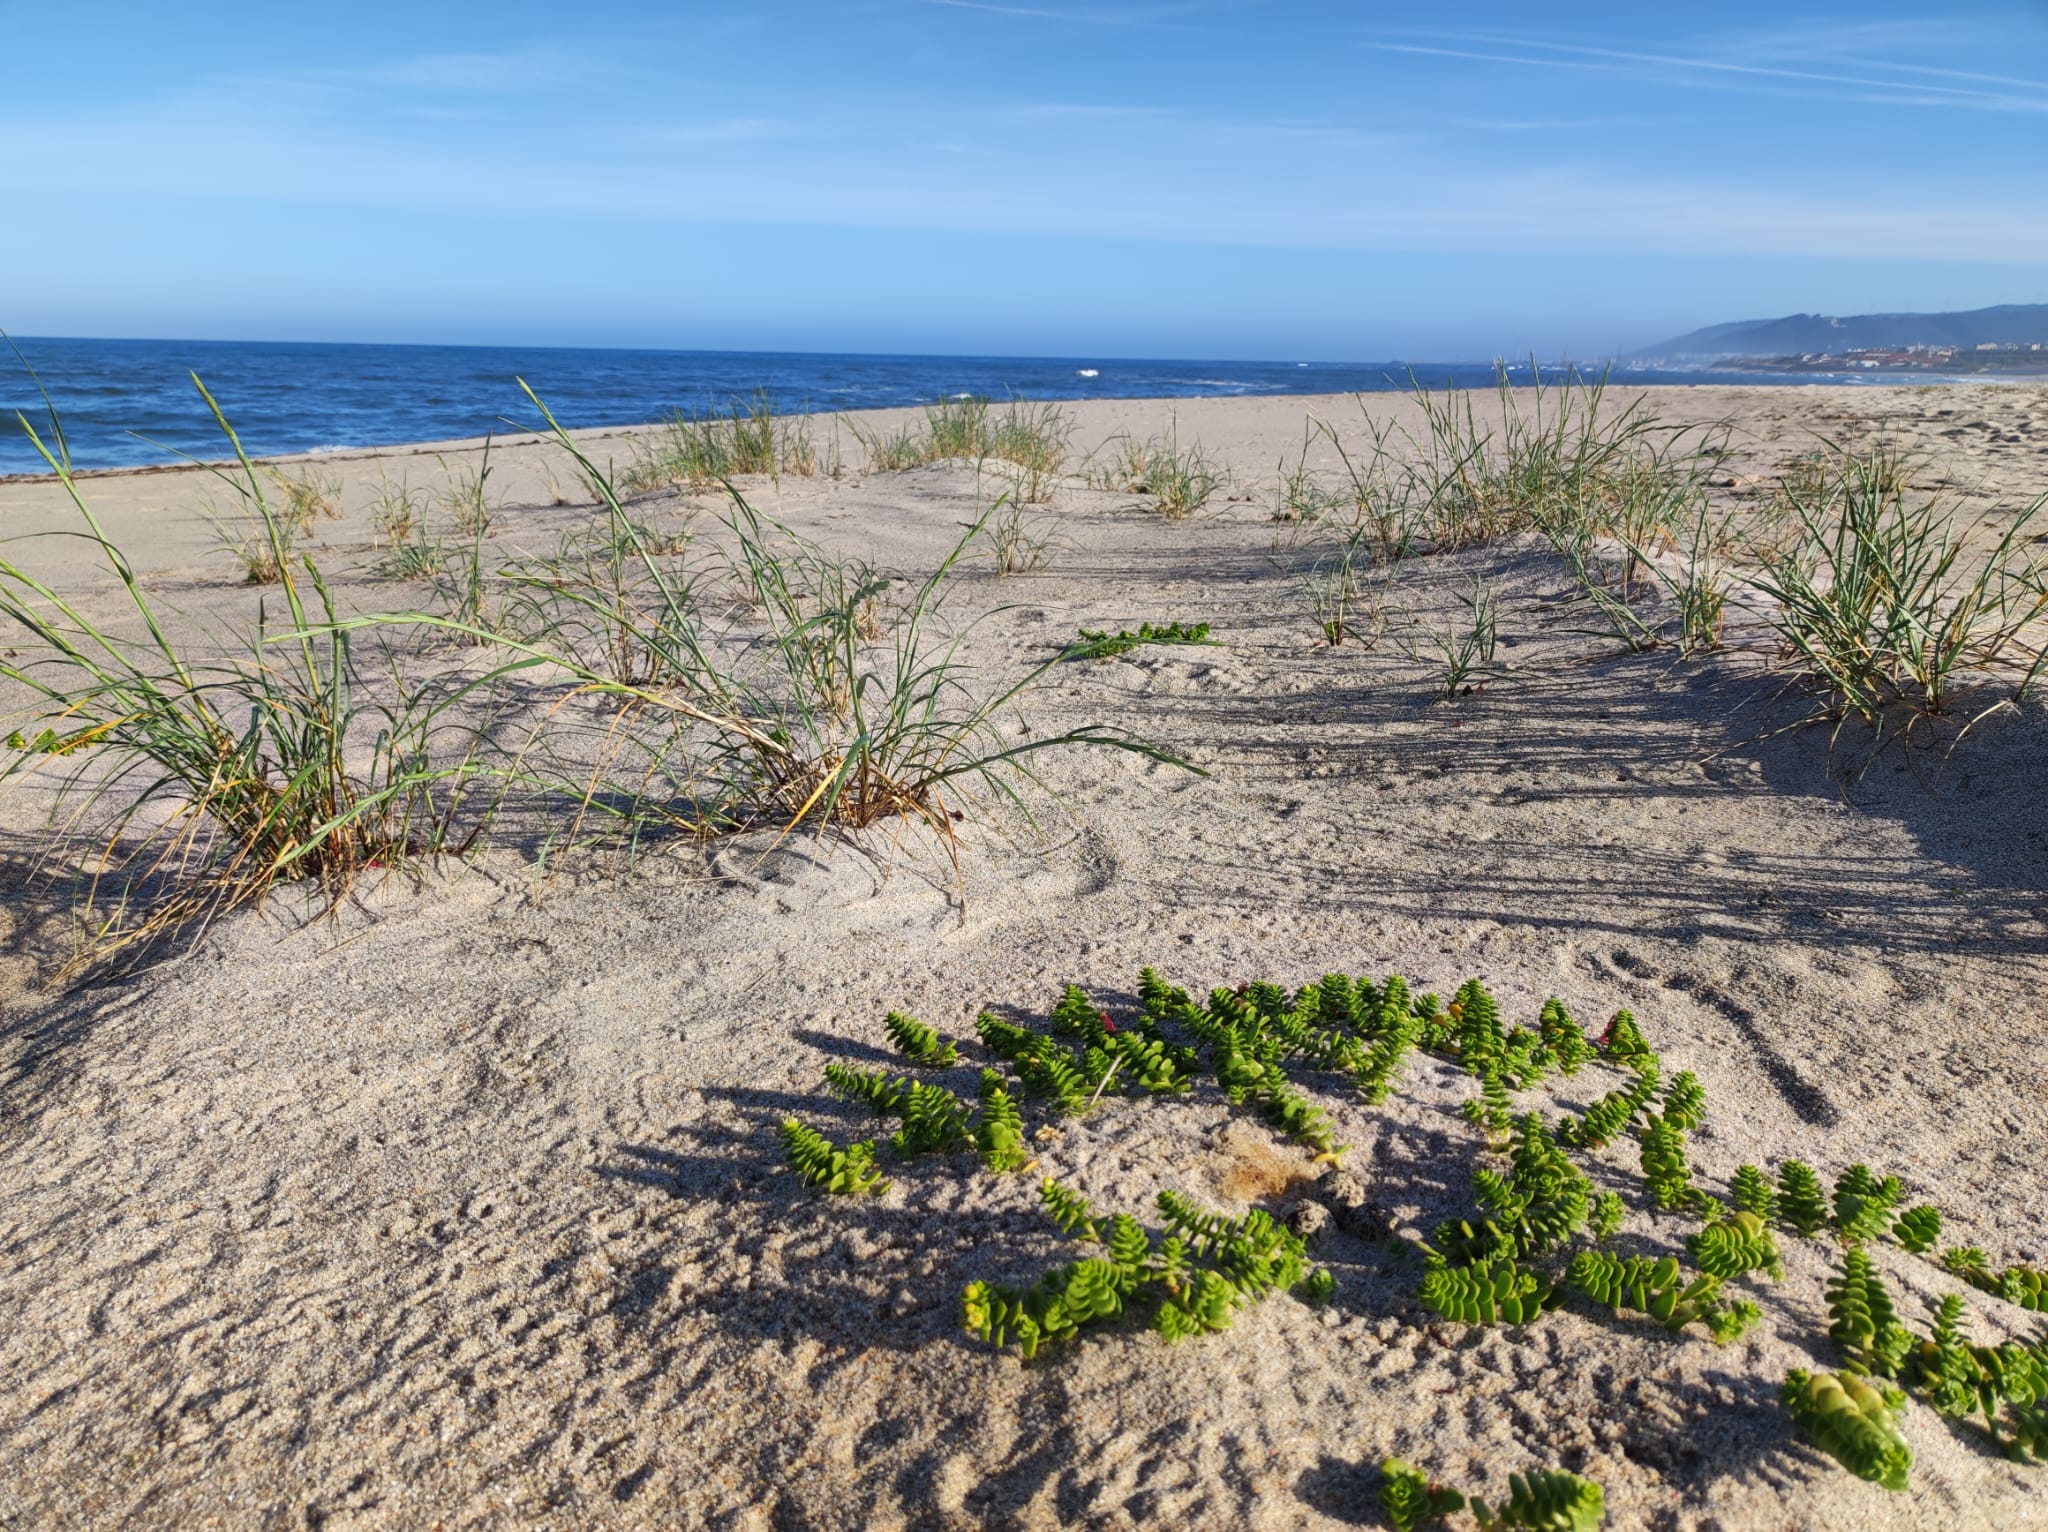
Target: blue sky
1230, 178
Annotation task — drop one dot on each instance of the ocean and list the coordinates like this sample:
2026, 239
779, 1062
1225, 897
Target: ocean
128, 403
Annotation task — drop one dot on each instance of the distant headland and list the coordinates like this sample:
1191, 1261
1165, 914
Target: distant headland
2009, 338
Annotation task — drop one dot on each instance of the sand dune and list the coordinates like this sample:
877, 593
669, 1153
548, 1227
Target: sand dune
465, 1208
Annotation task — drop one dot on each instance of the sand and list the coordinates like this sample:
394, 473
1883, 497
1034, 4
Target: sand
464, 1208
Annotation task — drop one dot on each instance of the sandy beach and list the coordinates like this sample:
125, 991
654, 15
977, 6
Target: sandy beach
465, 1207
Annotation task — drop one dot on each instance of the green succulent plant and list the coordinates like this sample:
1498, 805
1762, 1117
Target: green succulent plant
1799, 1199
2025, 1286
998, 1129
1609, 1117
2016, 1284
883, 1094
1537, 1233
1608, 1212
1664, 1167
1069, 1210
1685, 1102
1408, 1498
1543, 1198
1561, 1035
1623, 1043
1854, 1421
1491, 1108
1191, 1279
1488, 1292
935, 1121
1657, 1287
1380, 1066
1918, 1228
1752, 1192
1101, 644
1545, 1500
2006, 1383
1049, 1071
1864, 1204
823, 1164
1736, 1246
918, 1042
1861, 1319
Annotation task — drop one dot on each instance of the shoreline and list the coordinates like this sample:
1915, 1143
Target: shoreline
1662, 392
1522, 384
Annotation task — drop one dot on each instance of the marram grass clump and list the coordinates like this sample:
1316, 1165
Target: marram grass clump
199, 784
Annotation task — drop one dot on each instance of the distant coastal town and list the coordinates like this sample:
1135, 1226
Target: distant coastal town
2009, 339
1989, 357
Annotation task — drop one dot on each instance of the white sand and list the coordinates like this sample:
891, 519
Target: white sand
465, 1208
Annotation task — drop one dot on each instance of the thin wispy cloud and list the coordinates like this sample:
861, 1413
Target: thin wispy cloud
1279, 182
1874, 87
1006, 10
1875, 78
507, 73
1122, 16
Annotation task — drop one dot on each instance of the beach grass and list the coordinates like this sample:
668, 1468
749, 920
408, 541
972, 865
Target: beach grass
955, 428
831, 694
261, 536
397, 512
1464, 644
1016, 541
417, 556
306, 496
1299, 496
1344, 601
1032, 438
695, 451
205, 783
1879, 600
261, 543
464, 499
1175, 480
890, 450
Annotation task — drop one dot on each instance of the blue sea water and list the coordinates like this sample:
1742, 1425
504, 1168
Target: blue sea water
127, 403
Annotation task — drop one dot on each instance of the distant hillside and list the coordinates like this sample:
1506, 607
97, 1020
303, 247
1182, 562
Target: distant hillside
2022, 324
